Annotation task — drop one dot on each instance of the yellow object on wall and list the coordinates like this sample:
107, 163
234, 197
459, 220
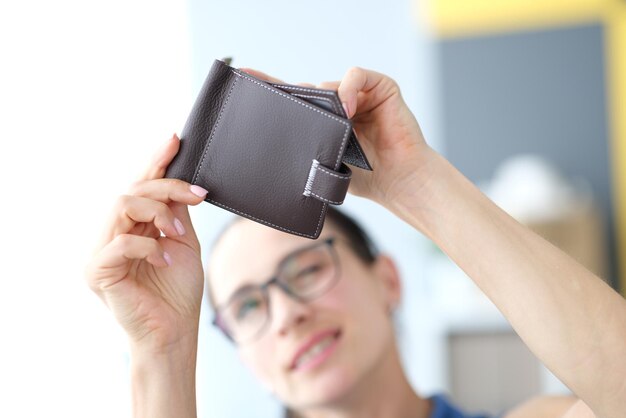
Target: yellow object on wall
461, 18
616, 77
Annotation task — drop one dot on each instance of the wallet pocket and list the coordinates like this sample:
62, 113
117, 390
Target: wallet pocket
263, 153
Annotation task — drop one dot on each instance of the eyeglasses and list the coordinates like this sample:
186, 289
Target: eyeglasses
303, 275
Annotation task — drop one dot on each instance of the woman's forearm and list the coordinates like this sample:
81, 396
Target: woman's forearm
164, 383
571, 319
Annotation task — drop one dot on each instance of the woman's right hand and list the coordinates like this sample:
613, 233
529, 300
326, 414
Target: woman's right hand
152, 283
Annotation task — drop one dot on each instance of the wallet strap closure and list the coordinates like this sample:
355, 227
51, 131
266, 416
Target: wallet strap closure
328, 185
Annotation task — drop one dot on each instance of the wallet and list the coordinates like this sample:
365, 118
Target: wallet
273, 153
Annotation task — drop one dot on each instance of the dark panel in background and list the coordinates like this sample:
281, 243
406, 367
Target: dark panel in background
530, 92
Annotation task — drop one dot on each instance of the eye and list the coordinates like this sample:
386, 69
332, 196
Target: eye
307, 274
248, 307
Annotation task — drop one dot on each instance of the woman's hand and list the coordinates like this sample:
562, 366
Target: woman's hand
386, 129
152, 283
388, 132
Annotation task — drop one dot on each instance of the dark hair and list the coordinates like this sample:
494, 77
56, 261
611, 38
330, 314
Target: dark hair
359, 240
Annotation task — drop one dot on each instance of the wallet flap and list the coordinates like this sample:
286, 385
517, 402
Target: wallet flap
329, 100
328, 185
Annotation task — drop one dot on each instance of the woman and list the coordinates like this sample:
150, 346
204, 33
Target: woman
330, 352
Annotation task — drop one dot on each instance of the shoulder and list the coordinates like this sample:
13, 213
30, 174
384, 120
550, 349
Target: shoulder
550, 407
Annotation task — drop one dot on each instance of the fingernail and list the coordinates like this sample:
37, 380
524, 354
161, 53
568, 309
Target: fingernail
167, 258
345, 107
175, 136
179, 227
198, 191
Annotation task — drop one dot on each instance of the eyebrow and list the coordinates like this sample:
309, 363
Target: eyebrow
250, 286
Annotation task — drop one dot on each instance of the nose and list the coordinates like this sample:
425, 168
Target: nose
287, 312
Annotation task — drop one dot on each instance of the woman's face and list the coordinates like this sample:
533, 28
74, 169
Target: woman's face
314, 353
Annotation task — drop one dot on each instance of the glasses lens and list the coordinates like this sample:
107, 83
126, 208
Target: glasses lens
306, 274
311, 272
245, 315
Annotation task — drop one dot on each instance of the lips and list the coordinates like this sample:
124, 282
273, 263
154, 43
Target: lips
314, 348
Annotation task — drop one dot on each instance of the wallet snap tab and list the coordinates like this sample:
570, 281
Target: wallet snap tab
327, 185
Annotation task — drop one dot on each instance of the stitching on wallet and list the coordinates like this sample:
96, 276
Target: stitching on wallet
286, 96
206, 149
289, 87
331, 173
309, 183
292, 99
326, 200
311, 178
332, 102
343, 143
334, 105
264, 221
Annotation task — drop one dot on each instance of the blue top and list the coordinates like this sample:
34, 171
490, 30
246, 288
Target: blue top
442, 408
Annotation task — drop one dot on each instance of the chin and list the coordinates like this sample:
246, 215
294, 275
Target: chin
329, 388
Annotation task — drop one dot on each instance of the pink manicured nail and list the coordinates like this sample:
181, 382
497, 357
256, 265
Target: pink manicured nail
179, 227
198, 191
345, 107
167, 258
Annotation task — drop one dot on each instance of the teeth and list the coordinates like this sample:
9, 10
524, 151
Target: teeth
315, 350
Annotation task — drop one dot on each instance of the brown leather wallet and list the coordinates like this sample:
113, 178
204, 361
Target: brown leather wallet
273, 153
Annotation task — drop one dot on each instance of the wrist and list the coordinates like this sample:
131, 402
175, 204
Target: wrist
435, 198
163, 380
182, 347
411, 186
165, 335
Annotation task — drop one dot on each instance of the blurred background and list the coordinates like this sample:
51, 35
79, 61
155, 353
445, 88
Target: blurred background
525, 97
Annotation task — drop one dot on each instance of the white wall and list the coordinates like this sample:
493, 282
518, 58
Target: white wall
88, 91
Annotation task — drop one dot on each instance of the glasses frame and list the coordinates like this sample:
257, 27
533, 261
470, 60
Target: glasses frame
275, 281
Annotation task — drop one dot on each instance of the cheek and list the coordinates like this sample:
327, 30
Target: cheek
356, 294
358, 301
260, 360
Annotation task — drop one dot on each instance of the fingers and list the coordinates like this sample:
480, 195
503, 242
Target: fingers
134, 247
110, 265
358, 80
161, 159
169, 190
135, 209
161, 205
328, 85
168, 198
178, 195
261, 75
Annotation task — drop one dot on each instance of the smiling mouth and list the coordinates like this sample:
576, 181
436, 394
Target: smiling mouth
317, 353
